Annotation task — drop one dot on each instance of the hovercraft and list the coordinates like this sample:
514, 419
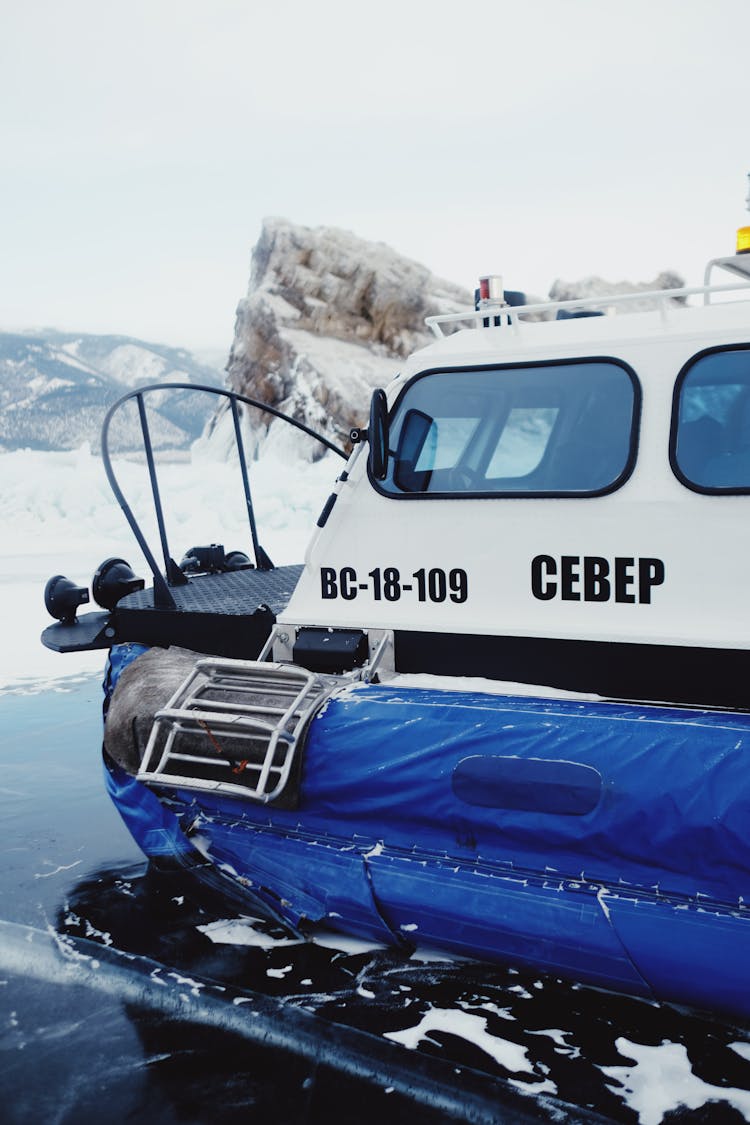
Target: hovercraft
503, 707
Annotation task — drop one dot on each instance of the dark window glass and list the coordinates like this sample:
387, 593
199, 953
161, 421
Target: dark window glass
711, 427
541, 430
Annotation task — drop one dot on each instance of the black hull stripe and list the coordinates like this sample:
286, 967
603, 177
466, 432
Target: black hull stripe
709, 677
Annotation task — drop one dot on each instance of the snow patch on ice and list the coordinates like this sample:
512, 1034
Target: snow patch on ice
473, 1028
661, 1079
249, 931
243, 931
195, 986
57, 870
427, 954
351, 946
559, 1038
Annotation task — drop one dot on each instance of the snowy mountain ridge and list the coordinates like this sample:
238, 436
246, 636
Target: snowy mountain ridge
55, 388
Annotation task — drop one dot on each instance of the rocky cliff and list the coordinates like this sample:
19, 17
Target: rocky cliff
327, 317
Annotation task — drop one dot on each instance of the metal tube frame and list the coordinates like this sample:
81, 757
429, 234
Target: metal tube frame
162, 594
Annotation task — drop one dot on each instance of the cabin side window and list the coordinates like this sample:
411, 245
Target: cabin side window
710, 438
558, 429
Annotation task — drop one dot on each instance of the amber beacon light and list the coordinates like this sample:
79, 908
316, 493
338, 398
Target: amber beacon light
743, 234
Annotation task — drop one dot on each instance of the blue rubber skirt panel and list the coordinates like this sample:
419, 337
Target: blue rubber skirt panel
301, 878
154, 827
605, 842
602, 841
610, 793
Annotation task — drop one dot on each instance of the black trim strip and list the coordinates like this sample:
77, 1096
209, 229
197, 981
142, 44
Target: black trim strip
706, 677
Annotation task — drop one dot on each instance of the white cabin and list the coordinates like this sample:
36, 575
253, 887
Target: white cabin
564, 501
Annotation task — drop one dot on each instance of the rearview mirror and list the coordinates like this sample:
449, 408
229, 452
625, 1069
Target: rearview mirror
414, 432
377, 434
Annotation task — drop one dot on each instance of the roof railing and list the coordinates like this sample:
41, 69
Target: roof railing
738, 264
664, 299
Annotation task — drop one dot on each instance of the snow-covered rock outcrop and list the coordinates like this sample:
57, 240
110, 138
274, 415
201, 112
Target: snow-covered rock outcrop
327, 317
599, 287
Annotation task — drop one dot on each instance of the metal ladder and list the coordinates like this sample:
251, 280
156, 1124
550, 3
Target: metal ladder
233, 726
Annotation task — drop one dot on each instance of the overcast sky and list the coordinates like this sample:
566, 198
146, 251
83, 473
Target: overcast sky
142, 144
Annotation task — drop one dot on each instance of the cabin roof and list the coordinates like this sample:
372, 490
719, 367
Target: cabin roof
526, 341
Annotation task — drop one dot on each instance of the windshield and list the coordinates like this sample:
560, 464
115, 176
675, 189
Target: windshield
543, 430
